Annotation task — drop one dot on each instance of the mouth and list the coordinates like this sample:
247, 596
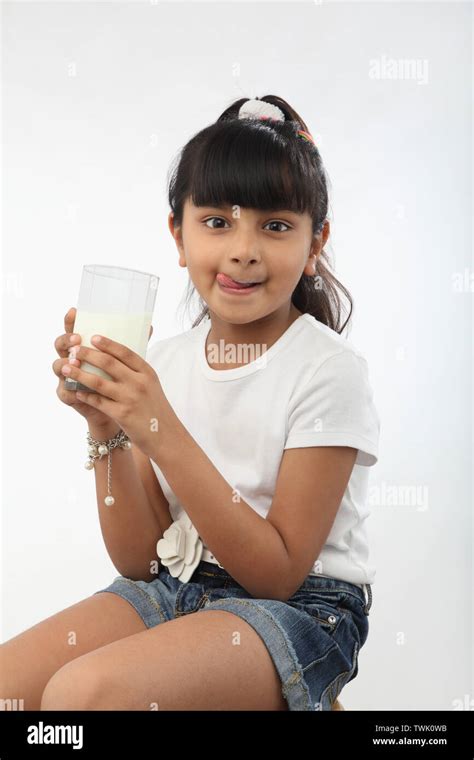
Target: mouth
240, 287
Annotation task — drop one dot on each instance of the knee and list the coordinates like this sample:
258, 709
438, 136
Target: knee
11, 688
6, 694
75, 686
3, 671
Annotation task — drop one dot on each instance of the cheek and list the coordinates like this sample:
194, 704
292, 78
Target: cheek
201, 263
202, 275
283, 273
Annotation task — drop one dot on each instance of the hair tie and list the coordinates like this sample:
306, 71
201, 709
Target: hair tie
261, 110
306, 136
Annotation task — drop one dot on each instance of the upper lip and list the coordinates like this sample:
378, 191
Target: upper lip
242, 282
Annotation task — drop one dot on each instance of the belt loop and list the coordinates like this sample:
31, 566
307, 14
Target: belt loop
369, 598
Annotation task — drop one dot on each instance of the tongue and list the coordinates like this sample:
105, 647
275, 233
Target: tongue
228, 282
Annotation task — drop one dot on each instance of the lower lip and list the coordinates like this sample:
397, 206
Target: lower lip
239, 291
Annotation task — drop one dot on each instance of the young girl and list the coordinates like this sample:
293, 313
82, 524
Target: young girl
243, 494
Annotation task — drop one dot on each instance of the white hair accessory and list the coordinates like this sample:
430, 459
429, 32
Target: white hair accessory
259, 109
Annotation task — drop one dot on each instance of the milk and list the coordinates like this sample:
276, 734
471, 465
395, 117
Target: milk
132, 330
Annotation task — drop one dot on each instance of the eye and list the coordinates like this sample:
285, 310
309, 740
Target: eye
210, 220
283, 223
219, 218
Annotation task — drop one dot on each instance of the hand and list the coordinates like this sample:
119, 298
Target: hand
132, 398
96, 418
63, 347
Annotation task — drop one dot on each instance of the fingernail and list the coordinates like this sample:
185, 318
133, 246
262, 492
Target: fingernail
74, 338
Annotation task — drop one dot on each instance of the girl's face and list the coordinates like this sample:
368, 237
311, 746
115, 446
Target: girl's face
272, 248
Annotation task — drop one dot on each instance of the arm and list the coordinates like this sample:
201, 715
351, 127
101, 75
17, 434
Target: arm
310, 486
269, 557
156, 497
132, 526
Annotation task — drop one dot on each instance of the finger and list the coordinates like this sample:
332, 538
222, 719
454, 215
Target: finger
58, 364
67, 396
96, 382
63, 343
105, 405
69, 319
123, 353
118, 372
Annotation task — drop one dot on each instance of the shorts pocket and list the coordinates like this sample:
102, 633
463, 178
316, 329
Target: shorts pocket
189, 598
325, 607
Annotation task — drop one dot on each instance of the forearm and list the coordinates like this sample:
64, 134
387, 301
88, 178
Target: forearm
130, 528
248, 546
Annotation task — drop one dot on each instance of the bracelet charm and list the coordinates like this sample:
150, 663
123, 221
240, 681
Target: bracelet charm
98, 449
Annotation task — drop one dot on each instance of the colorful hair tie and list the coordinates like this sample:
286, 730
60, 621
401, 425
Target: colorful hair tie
306, 136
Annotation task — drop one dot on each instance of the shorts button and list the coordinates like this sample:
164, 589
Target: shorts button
332, 619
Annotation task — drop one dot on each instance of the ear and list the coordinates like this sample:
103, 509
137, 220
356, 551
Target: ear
310, 266
177, 234
317, 245
324, 234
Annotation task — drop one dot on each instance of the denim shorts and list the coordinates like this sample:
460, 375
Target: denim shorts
314, 637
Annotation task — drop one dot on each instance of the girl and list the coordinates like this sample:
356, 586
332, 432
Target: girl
243, 494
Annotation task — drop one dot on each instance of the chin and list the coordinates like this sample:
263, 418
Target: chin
233, 317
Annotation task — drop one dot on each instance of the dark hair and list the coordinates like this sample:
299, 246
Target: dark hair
263, 165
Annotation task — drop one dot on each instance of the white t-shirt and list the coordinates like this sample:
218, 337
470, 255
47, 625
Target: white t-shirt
310, 388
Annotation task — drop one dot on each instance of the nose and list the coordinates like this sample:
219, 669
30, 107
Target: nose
245, 251
245, 259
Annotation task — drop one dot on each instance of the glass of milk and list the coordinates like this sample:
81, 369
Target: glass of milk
115, 302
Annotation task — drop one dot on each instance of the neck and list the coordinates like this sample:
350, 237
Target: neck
261, 333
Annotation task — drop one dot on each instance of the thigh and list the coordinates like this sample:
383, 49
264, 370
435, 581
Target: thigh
28, 660
205, 660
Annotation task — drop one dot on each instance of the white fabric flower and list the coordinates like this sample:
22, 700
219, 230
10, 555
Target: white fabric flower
180, 549
258, 109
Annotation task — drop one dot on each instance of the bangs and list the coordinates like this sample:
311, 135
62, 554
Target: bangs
254, 166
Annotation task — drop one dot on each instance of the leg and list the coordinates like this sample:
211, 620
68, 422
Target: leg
28, 661
211, 660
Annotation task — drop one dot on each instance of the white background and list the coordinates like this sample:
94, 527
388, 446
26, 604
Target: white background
97, 100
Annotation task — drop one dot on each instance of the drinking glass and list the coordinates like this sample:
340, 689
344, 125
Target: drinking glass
115, 302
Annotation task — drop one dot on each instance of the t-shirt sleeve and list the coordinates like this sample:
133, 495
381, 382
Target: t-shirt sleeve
335, 407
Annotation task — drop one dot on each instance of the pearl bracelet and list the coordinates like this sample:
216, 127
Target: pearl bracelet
97, 449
